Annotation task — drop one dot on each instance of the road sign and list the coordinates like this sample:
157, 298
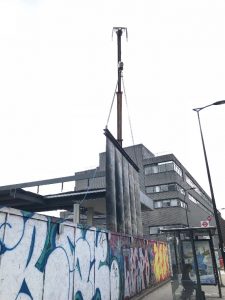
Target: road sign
209, 218
205, 223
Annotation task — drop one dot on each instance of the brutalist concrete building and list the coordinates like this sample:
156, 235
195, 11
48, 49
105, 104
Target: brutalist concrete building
177, 198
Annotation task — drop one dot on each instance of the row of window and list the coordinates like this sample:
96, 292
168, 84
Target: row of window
173, 202
178, 203
197, 190
169, 203
193, 199
172, 166
199, 203
165, 188
163, 167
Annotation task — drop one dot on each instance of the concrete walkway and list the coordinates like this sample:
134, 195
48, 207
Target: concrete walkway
164, 292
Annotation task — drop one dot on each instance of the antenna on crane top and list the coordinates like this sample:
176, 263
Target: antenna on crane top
119, 32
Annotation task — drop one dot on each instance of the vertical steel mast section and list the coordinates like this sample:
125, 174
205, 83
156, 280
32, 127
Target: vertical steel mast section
119, 31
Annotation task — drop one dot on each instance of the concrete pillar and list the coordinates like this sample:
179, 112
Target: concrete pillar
119, 192
90, 214
138, 203
132, 201
76, 213
126, 198
111, 221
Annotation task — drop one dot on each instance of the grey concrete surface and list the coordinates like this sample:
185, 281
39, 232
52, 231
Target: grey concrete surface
164, 292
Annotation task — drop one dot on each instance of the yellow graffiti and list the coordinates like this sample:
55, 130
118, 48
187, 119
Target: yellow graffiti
161, 268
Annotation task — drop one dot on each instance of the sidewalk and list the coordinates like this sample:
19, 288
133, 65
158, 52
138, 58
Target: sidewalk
164, 292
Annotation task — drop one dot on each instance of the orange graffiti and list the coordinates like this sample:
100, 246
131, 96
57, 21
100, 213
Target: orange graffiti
160, 263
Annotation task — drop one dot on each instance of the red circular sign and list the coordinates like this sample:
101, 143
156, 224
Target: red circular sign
209, 218
205, 224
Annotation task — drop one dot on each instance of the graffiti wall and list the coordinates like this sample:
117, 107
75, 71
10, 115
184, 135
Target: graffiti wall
42, 258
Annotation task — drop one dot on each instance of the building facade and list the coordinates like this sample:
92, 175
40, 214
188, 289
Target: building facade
178, 199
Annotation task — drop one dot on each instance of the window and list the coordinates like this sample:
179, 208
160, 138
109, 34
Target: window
163, 167
169, 203
183, 205
190, 182
157, 189
166, 203
157, 204
174, 202
150, 189
164, 188
154, 189
181, 190
178, 170
192, 199
154, 230
172, 187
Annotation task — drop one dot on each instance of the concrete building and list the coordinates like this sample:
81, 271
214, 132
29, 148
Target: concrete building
169, 195
178, 199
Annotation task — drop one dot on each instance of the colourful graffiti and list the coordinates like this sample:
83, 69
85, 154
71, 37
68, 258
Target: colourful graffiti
159, 262
47, 259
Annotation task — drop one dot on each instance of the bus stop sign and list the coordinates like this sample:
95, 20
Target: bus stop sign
205, 223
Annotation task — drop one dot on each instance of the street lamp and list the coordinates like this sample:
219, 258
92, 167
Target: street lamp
210, 181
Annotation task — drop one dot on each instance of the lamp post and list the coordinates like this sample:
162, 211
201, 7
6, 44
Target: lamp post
210, 180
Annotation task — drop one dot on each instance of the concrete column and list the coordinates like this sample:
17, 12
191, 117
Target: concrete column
138, 203
132, 201
111, 220
119, 192
90, 214
126, 198
76, 213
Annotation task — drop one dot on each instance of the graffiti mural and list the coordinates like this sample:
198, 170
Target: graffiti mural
43, 258
159, 259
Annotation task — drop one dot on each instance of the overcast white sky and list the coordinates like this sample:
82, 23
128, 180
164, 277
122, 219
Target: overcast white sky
58, 75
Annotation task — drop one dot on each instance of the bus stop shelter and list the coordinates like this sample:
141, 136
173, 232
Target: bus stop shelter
193, 262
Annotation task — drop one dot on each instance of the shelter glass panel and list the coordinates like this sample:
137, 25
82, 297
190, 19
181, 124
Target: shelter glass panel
204, 259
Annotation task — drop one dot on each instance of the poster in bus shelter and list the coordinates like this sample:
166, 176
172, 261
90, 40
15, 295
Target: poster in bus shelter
204, 259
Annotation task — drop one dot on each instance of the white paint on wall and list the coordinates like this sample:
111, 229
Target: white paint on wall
18, 263
84, 263
44, 260
57, 277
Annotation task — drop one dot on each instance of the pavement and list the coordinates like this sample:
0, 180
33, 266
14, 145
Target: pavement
164, 292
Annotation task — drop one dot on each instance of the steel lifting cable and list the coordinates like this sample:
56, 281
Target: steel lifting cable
93, 177
129, 118
88, 188
94, 174
111, 105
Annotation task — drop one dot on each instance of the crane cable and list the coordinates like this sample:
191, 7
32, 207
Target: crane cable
111, 105
128, 113
132, 136
129, 118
